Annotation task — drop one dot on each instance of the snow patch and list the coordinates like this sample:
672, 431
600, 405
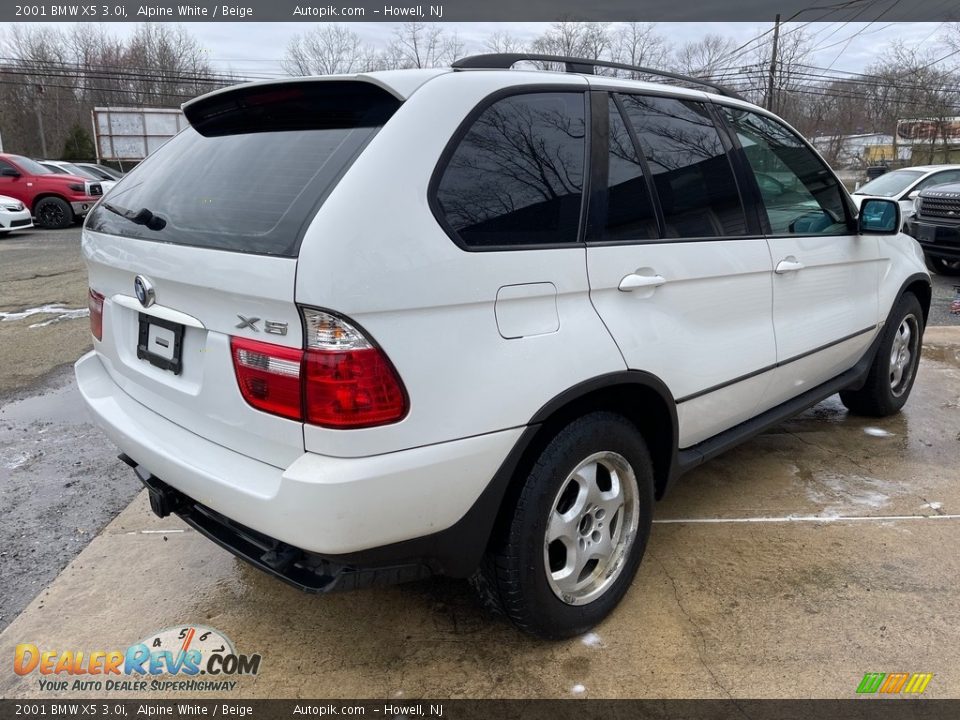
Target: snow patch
877, 432
578, 689
60, 313
592, 640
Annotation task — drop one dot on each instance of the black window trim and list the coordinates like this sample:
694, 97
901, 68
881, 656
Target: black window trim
465, 126
750, 209
849, 208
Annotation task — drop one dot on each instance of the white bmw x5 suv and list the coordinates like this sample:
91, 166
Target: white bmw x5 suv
475, 322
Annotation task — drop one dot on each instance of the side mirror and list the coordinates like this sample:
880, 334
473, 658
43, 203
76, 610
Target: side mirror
913, 195
9, 172
879, 217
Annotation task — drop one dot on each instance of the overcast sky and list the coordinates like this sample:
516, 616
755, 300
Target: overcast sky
256, 48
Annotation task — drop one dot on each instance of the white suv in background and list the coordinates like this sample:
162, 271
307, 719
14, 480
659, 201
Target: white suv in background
474, 322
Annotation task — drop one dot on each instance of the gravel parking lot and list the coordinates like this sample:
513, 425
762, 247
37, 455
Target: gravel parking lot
788, 567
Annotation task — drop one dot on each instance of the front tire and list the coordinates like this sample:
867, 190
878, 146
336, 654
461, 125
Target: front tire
577, 532
942, 266
894, 368
53, 213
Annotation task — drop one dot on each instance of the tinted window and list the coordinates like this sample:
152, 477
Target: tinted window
800, 194
630, 214
516, 177
948, 176
250, 192
690, 168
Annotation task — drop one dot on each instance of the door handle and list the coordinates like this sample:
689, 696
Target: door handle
788, 265
633, 281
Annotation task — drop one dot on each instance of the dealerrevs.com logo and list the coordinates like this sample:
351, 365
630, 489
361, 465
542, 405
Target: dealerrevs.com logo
190, 658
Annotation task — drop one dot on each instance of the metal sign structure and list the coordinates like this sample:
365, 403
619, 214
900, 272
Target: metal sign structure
925, 131
130, 134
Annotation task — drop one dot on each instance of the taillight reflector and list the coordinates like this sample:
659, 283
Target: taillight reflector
95, 302
269, 376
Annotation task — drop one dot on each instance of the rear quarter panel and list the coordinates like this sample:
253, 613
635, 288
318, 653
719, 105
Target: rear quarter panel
376, 253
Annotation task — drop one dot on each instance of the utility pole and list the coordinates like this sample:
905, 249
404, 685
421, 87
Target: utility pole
773, 64
43, 137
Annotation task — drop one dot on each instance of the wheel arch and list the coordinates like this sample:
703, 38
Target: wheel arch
43, 196
920, 286
639, 396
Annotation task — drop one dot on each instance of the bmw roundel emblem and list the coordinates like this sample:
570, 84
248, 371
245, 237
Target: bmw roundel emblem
144, 291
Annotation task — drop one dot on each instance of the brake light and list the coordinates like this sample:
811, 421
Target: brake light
269, 376
341, 380
95, 303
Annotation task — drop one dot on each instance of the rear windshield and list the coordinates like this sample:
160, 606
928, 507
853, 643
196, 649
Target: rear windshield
250, 183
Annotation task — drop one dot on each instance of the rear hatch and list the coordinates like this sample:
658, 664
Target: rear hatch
200, 243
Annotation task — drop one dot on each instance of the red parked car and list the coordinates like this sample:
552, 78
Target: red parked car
55, 200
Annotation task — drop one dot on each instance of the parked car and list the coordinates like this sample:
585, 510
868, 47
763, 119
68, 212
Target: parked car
904, 185
104, 172
483, 319
14, 215
54, 199
936, 226
61, 166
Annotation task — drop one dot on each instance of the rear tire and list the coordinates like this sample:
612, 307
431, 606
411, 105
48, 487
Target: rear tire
942, 266
577, 532
53, 213
894, 368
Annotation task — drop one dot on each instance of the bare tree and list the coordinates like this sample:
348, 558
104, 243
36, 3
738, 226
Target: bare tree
420, 45
635, 43
589, 40
503, 42
325, 50
705, 56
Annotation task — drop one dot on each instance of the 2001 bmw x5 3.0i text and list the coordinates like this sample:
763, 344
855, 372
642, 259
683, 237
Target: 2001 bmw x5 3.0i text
474, 322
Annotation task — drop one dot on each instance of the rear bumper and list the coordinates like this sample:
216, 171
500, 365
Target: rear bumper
372, 511
938, 240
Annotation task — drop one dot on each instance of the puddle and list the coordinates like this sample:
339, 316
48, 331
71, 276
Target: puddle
944, 353
878, 432
63, 405
839, 494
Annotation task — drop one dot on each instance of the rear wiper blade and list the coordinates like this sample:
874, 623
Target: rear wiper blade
138, 217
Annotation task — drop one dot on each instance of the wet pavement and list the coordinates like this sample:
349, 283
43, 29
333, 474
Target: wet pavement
788, 567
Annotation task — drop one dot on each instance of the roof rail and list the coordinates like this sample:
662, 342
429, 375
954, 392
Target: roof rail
505, 61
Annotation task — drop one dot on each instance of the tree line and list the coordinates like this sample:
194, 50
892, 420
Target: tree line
51, 78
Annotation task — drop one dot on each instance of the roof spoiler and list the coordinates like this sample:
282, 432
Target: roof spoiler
309, 104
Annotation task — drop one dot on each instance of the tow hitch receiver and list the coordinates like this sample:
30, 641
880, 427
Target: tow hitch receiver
164, 500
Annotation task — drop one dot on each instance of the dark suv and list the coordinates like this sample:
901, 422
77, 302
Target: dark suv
936, 226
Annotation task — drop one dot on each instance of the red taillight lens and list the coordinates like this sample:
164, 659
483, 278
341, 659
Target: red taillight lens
340, 381
95, 302
269, 376
351, 389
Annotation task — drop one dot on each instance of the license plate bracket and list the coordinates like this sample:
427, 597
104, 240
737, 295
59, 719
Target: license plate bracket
160, 343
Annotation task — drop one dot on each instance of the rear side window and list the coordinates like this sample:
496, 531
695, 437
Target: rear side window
630, 213
251, 172
691, 171
516, 176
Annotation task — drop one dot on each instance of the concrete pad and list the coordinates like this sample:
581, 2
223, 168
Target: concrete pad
771, 607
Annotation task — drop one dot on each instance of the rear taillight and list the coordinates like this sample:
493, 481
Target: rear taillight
95, 302
340, 380
348, 381
269, 376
